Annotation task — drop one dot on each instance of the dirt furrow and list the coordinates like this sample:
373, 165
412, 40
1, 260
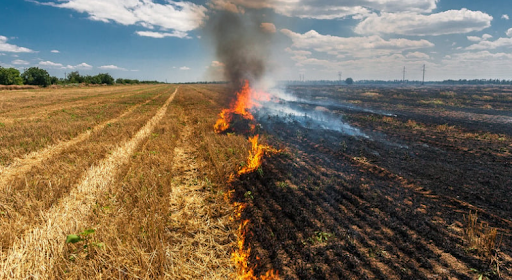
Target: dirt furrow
34, 254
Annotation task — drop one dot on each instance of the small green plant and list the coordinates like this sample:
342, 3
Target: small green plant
82, 239
281, 184
260, 171
320, 237
248, 195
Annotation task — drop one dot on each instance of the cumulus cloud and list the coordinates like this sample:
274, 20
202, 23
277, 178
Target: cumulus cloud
55, 51
184, 68
417, 55
413, 24
326, 9
160, 35
6, 47
491, 45
484, 37
112, 67
509, 32
51, 64
268, 27
20, 62
354, 46
217, 64
172, 15
505, 17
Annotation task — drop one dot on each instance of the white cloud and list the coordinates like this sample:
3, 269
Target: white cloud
112, 67
20, 62
417, 55
355, 46
6, 47
505, 17
51, 64
474, 38
327, 9
173, 15
268, 27
55, 51
217, 64
413, 24
509, 32
491, 45
81, 66
160, 35
484, 37
184, 68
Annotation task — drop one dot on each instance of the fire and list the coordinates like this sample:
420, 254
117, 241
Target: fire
232, 118
246, 99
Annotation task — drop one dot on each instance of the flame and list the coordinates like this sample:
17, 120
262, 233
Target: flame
246, 99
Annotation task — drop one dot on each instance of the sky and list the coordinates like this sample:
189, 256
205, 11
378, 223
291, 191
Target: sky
166, 40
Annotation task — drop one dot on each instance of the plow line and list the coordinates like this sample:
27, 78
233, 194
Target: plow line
34, 254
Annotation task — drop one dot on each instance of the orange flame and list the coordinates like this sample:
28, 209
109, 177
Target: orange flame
246, 99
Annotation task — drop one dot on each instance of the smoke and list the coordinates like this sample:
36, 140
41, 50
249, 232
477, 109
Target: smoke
242, 44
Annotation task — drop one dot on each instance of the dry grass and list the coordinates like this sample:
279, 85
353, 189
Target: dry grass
151, 190
480, 236
21, 137
29, 255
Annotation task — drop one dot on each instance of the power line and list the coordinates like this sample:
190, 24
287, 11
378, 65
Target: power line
403, 79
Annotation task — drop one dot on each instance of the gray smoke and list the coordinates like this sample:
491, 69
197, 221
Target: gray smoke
240, 44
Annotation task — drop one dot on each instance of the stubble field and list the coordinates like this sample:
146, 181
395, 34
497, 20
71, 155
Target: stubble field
131, 182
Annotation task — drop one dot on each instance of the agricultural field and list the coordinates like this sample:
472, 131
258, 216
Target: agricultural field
146, 182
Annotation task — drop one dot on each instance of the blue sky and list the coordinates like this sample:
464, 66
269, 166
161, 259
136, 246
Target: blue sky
165, 40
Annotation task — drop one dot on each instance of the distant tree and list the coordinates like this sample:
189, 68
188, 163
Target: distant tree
75, 78
54, 80
10, 76
36, 76
105, 78
120, 81
349, 81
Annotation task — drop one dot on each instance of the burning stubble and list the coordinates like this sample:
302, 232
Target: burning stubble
241, 44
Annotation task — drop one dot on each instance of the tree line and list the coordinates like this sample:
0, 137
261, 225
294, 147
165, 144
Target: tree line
40, 77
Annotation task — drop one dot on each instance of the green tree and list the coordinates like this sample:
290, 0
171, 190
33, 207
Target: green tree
36, 76
75, 78
120, 81
54, 80
349, 81
105, 78
10, 76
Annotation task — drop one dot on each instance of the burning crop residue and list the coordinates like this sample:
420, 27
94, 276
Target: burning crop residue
238, 118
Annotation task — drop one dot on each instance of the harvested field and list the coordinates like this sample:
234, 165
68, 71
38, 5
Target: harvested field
361, 183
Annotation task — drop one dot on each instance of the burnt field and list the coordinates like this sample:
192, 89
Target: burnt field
378, 183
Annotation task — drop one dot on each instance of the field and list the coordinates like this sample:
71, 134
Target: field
132, 182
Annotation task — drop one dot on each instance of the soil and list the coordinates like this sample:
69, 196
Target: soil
391, 205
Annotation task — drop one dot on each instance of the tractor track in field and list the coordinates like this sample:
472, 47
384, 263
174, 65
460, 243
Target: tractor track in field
23, 165
33, 255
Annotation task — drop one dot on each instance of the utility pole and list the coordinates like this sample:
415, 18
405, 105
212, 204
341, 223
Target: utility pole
403, 79
339, 77
423, 75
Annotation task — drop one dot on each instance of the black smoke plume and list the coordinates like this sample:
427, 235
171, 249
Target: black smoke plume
241, 44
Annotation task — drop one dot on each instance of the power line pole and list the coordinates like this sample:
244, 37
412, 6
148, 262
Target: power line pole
339, 77
403, 79
423, 75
